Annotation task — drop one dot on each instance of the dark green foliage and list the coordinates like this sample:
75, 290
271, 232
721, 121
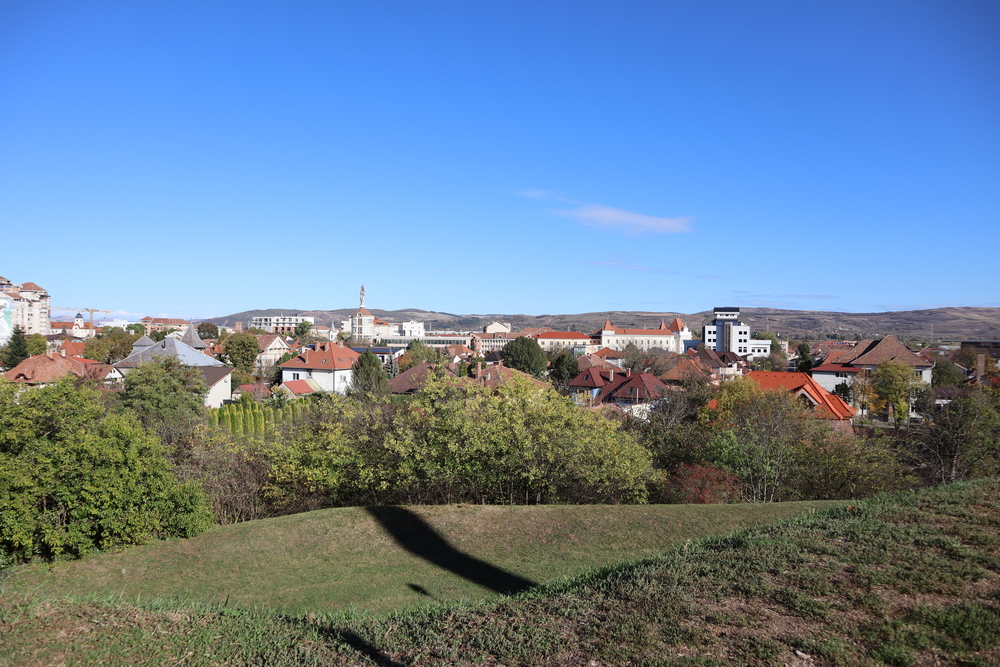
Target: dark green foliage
564, 368
16, 349
37, 344
136, 328
208, 330
526, 355
158, 336
110, 348
169, 399
962, 439
805, 361
946, 374
302, 329
241, 350
76, 476
368, 378
417, 353
843, 390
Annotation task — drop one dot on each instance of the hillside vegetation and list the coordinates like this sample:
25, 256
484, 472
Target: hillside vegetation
905, 579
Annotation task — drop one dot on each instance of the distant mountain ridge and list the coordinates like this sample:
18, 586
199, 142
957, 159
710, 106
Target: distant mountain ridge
952, 323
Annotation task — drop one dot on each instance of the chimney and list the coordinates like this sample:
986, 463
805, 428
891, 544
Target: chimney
981, 366
62, 352
628, 373
612, 375
239, 326
479, 368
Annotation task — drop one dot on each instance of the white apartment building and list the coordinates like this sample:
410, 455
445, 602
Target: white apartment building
26, 305
279, 324
726, 332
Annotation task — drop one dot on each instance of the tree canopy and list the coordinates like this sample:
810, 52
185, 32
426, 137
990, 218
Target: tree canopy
168, 397
75, 476
526, 355
16, 349
564, 368
368, 378
241, 350
208, 330
303, 328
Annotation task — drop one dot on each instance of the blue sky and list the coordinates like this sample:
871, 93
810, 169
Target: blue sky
198, 159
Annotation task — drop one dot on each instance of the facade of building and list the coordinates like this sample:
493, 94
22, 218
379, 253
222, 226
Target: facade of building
843, 366
669, 338
279, 324
329, 365
26, 305
724, 331
566, 340
163, 324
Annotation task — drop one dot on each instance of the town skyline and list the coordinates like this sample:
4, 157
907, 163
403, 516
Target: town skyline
191, 160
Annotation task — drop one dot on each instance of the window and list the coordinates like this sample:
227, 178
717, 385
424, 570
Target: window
295, 376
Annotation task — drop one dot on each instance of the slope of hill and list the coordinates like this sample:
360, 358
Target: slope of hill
908, 579
347, 557
932, 324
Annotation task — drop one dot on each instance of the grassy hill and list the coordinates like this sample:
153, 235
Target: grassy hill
907, 579
359, 559
930, 324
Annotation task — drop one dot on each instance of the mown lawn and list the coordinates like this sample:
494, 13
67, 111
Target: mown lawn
345, 559
905, 579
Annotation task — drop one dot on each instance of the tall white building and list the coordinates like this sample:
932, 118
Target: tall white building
726, 332
26, 305
279, 324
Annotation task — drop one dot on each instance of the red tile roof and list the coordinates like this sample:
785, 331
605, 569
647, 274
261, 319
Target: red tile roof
559, 335
32, 287
298, 387
326, 356
50, 367
875, 352
826, 405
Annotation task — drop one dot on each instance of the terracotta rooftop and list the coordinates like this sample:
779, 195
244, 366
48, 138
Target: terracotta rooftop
875, 352
826, 405
326, 356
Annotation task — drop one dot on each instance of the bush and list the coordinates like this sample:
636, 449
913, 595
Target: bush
81, 477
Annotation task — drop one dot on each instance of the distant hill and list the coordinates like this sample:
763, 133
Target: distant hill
954, 323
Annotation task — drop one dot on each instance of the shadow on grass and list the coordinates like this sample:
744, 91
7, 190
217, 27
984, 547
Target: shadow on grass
416, 536
362, 647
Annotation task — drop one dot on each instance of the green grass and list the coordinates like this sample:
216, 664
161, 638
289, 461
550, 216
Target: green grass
343, 559
906, 579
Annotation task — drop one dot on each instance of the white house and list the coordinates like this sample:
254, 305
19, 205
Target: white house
328, 365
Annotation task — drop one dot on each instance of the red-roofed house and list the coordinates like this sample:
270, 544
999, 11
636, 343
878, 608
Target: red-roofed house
329, 365
825, 404
597, 385
840, 366
45, 368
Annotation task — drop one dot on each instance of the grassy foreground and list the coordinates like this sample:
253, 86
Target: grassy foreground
905, 579
346, 558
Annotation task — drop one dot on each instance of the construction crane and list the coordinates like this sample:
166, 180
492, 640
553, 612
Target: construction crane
80, 310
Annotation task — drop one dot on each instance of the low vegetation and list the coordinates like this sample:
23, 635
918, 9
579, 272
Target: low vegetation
905, 579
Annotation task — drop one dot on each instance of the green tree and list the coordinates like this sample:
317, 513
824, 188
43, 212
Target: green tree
75, 476
417, 353
564, 368
241, 350
169, 399
158, 336
136, 328
16, 349
208, 330
963, 439
634, 361
368, 378
946, 374
37, 344
302, 329
526, 355
805, 361
757, 436
843, 390
893, 385
110, 348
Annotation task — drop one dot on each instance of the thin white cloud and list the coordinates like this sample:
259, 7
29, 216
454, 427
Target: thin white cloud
607, 217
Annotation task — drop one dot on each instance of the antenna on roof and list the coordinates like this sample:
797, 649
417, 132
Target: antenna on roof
362, 296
